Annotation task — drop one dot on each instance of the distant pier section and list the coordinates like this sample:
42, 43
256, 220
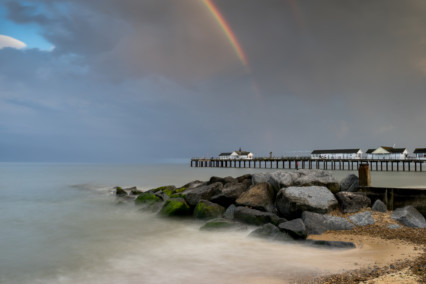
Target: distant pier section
389, 165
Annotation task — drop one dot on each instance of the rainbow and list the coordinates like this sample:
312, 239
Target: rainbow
228, 32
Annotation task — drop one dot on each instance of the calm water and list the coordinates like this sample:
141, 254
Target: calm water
59, 223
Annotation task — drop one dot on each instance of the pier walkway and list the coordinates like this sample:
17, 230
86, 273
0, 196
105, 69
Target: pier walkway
410, 165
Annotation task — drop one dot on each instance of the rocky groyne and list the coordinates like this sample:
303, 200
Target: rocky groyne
283, 205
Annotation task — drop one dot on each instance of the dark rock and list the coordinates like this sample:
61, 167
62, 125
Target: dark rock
362, 219
208, 210
259, 196
175, 207
194, 195
351, 202
292, 201
254, 217
244, 178
331, 244
229, 212
120, 192
317, 224
229, 194
215, 179
295, 228
379, 206
230, 180
270, 232
317, 178
349, 183
222, 224
409, 216
135, 191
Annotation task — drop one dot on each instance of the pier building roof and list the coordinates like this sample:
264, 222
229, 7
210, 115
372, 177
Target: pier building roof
420, 151
336, 151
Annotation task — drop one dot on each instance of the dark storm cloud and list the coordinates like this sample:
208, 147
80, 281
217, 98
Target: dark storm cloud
158, 78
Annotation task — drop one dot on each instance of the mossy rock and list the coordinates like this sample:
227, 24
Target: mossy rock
177, 195
208, 210
147, 198
175, 207
119, 191
180, 189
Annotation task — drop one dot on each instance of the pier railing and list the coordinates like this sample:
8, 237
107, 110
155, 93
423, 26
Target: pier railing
409, 165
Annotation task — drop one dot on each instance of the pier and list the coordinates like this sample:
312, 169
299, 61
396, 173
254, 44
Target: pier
388, 165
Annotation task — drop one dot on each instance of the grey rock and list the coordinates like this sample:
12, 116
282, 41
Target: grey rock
295, 228
292, 201
263, 177
270, 232
229, 193
394, 226
221, 224
259, 196
254, 217
409, 216
318, 178
229, 212
284, 178
317, 224
194, 195
379, 206
330, 244
351, 202
349, 183
362, 219
193, 184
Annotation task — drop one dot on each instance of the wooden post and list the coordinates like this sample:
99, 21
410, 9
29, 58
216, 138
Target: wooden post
364, 175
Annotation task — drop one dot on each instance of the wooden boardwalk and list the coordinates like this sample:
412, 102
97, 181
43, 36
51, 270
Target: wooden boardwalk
409, 165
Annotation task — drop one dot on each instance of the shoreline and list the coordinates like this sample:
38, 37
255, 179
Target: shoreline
403, 259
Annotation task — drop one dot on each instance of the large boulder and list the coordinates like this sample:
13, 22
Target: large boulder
316, 224
379, 206
208, 210
317, 177
277, 179
351, 202
221, 224
409, 216
119, 191
362, 219
296, 228
350, 183
284, 178
255, 217
193, 184
270, 232
229, 193
259, 196
167, 190
175, 207
292, 201
194, 195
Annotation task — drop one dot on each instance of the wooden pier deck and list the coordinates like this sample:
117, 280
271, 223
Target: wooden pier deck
409, 165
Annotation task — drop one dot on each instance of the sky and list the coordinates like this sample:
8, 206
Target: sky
166, 80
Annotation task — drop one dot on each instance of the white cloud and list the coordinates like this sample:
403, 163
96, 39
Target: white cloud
7, 41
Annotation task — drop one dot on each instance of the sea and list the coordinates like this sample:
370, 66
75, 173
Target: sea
61, 223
